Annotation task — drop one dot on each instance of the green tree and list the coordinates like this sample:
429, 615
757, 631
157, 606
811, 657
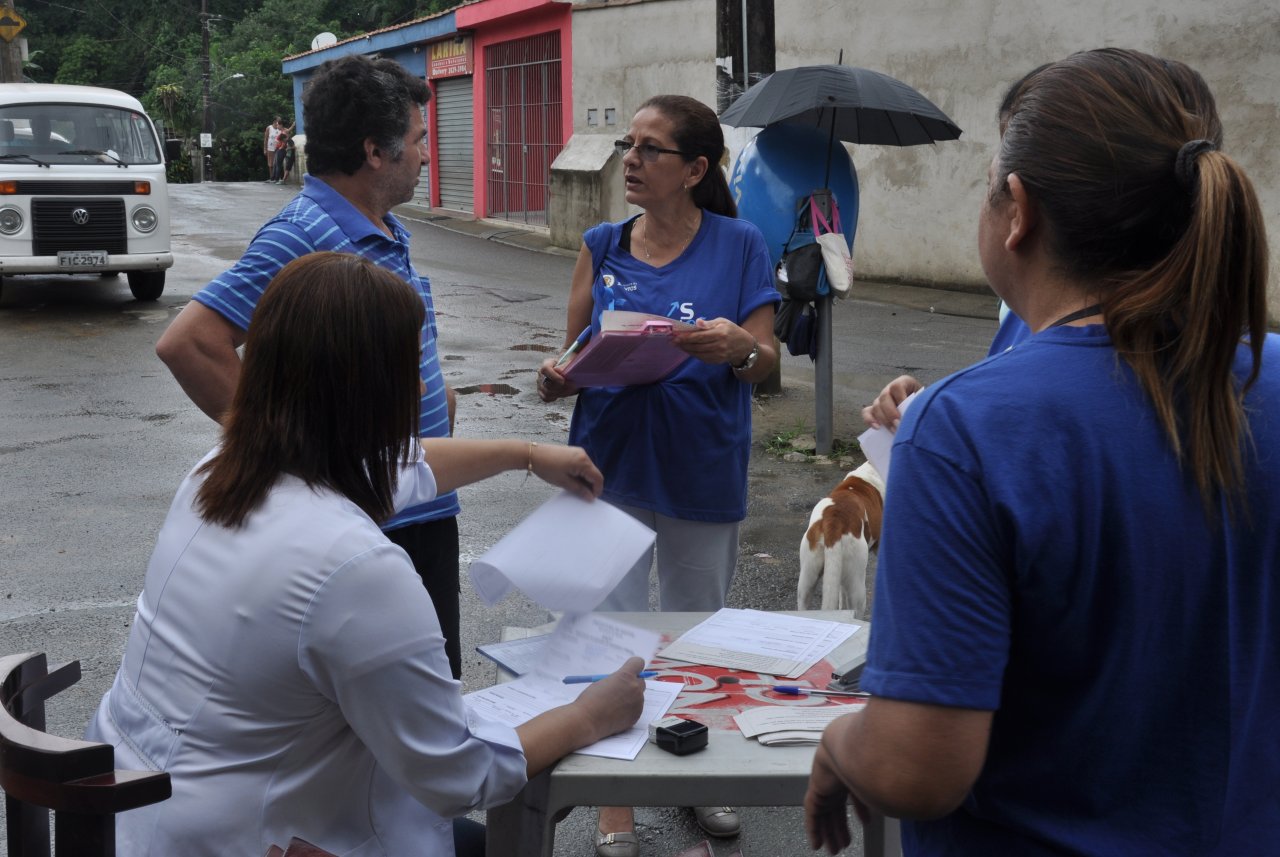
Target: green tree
85, 61
153, 50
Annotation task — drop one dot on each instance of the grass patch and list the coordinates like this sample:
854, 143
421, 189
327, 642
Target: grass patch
782, 443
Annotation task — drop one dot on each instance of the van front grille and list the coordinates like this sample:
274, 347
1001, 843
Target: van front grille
69, 187
55, 228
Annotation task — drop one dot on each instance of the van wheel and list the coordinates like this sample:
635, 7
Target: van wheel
146, 285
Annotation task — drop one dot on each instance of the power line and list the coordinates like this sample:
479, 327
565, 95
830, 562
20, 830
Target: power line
103, 9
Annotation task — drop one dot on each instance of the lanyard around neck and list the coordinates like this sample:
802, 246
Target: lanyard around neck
1092, 309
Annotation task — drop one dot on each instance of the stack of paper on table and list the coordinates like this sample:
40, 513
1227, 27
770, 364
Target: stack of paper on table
518, 656
785, 725
631, 348
759, 642
587, 644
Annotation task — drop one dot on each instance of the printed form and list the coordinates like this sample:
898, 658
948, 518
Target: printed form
758, 641
587, 644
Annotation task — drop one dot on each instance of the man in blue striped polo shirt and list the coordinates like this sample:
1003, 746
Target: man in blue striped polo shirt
366, 143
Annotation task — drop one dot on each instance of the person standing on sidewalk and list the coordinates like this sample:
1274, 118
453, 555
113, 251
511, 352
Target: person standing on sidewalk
366, 147
281, 142
675, 453
290, 156
1075, 526
269, 135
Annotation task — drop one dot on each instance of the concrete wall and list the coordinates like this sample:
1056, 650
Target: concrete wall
586, 188
919, 205
623, 54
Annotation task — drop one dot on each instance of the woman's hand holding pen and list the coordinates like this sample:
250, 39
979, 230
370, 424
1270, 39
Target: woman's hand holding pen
614, 703
552, 384
716, 341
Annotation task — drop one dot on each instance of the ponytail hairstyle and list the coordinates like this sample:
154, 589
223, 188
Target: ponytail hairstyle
1121, 153
329, 390
698, 134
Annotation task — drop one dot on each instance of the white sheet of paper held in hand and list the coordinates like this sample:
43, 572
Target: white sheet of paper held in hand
585, 644
567, 555
877, 443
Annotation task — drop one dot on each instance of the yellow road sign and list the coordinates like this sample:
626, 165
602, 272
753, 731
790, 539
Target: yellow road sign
11, 23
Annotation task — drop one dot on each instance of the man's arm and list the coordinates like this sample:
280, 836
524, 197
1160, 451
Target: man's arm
901, 759
199, 348
451, 401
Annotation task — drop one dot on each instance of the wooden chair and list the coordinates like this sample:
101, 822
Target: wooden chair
77, 780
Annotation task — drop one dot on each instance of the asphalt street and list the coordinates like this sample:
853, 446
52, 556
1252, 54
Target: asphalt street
95, 436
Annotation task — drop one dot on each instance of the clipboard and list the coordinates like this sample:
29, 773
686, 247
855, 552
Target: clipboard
631, 348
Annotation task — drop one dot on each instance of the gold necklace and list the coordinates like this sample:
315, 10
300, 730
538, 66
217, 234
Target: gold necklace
644, 237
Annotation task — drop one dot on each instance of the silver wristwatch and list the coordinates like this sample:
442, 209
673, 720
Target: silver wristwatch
751, 358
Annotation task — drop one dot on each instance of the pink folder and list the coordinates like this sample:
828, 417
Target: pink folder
641, 351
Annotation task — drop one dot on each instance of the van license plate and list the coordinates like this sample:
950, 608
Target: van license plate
81, 258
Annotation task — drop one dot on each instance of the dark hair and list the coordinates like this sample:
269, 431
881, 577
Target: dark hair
352, 99
1119, 152
328, 393
1012, 93
698, 134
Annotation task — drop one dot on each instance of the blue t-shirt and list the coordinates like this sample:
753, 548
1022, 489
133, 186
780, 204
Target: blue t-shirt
1012, 330
320, 218
679, 447
1044, 557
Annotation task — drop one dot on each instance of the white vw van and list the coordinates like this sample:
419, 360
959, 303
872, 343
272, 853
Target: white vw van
82, 186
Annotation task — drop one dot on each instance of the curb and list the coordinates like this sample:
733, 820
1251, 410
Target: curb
525, 238
957, 300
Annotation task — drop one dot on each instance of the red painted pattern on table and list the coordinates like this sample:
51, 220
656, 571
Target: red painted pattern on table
745, 690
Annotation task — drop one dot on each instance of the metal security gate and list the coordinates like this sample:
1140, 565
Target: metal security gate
454, 121
522, 125
422, 190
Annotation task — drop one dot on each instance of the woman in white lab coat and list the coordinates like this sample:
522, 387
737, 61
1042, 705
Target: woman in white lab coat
285, 665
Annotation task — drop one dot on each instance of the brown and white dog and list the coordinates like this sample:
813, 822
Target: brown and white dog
843, 530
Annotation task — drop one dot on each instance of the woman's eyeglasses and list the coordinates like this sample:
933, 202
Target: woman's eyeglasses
648, 151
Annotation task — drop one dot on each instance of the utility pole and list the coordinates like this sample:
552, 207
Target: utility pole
206, 126
10, 50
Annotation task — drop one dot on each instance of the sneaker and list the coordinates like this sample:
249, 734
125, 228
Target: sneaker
721, 821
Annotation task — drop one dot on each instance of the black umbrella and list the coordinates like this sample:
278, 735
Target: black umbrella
857, 105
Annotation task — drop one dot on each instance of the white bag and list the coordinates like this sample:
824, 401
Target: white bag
836, 259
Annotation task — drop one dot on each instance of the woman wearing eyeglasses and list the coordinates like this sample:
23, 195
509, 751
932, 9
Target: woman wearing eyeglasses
674, 454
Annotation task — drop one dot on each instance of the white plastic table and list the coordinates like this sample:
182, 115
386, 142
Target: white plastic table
731, 771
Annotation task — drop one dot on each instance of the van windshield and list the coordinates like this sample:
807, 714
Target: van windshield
77, 134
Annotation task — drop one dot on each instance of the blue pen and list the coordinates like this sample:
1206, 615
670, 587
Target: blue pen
588, 679
793, 690
577, 343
